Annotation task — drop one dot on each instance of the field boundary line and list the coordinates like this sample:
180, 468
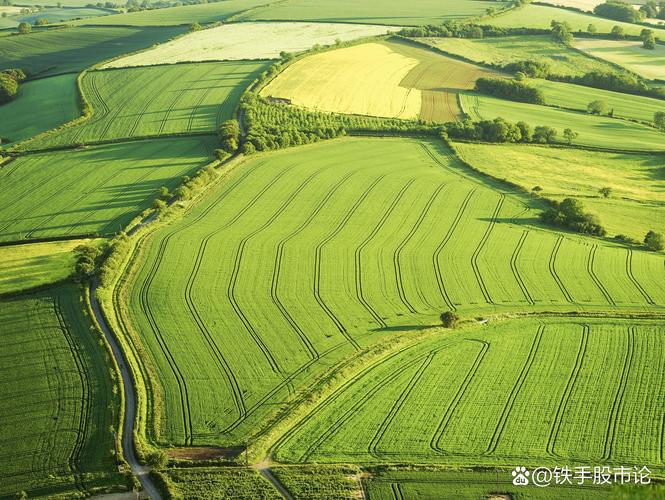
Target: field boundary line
481, 245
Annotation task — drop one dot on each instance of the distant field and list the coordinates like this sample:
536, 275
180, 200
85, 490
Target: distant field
157, 100
183, 15
572, 96
649, 64
540, 16
69, 50
248, 41
306, 255
94, 191
637, 181
503, 50
390, 79
57, 402
587, 5
499, 394
596, 131
391, 12
57, 15
35, 264
55, 98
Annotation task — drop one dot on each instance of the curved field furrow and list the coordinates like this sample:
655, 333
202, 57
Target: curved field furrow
358, 255
563, 403
435, 257
513, 265
553, 272
479, 248
617, 404
398, 251
435, 442
514, 392
634, 281
594, 276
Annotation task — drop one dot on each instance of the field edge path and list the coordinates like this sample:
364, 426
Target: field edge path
140, 471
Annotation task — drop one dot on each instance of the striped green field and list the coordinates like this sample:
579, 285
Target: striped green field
649, 64
159, 100
54, 98
70, 50
307, 255
594, 131
93, 191
567, 95
503, 50
540, 16
504, 393
57, 400
391, 12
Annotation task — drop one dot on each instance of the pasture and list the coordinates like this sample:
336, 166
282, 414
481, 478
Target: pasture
57, 402
95, 191
249, 40
36, 264
631, 55
159, 100
594, 131
69, 50
497, 394
55, 98
386, 79
540, 16
307, 255
62, 14
389, 12
571, 96
503, 50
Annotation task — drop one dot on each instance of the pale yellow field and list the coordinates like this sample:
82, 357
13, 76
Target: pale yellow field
587, 5
363, 79
631, 55
248, 41
10, 9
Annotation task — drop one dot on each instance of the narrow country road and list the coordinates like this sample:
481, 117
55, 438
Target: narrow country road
264, 470
140, 471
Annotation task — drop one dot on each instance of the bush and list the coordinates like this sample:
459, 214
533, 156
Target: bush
544, 135
449, 319
24, 28
597, 107
561, 32
654, 241
659, 120
510, 89
619, 11
229, 134
534, 69
570, 214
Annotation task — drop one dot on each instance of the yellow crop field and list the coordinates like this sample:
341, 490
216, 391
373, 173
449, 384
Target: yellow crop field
260, 40
390, 79
631, 55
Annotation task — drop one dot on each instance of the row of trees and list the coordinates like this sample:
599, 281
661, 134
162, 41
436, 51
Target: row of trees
513, 90
9, 84
570, 214
501, 130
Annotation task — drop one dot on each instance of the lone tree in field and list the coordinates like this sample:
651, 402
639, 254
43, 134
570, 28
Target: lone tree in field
659, 120
561, 32
597, 107
41, 21
654, 241
569, 135
195, 27
606, 192
24, 28
648, 39
617, 32
449, 319
592, 29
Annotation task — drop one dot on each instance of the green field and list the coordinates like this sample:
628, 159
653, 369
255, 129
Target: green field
312, 253
54, 98
540, 16
649, 64
69, 50
216, 482
324, 482
571, 96
58, 15
36, 264
391, 12
92, 191
595, 131
57, 403
157, 100
184, 15
504, 50
498, 394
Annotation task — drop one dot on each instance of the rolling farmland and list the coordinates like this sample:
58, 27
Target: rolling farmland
454, 398
444, 240
503, 50
631, 55
70, 50
94, 191
56, 397
595, 131
248, 41
159, 100
413, 82
54, 96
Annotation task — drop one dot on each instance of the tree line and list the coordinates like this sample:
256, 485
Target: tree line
9, 84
